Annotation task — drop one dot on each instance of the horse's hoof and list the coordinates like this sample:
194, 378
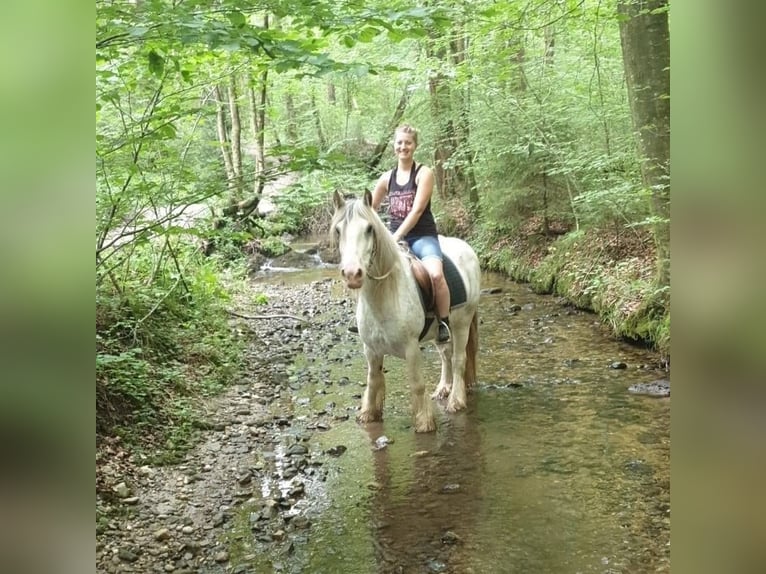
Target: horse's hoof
369, 418
440, 394
455, 406
428, 426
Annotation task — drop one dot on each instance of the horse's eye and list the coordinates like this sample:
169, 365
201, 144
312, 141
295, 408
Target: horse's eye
368, 231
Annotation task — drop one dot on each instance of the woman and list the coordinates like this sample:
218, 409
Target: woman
409, 187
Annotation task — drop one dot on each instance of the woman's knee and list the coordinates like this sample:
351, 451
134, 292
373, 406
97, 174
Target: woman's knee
436, 271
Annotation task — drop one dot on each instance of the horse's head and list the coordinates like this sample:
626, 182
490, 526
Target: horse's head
355, 230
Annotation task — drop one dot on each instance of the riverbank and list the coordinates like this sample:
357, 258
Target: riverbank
608, 273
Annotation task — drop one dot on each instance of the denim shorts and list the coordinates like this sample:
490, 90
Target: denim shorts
425, 246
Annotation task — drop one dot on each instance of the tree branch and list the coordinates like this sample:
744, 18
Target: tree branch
302, 320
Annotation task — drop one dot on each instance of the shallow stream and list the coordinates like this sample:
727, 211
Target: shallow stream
553, 467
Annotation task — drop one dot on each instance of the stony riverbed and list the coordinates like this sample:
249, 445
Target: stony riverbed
245, 492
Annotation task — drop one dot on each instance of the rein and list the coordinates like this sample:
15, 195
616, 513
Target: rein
372, 257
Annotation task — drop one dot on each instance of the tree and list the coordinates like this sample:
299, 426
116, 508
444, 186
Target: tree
646, 54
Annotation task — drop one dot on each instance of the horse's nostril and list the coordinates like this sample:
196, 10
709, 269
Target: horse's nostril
358, 273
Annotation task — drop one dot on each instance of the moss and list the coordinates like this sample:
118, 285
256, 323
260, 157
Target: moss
274, 247
585, 269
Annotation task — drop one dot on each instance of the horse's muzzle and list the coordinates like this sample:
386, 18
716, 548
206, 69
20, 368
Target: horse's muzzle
352, 275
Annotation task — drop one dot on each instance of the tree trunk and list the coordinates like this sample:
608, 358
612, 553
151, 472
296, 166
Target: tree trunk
292, 123
449, 109
318, 123
236, 141
518, 58
258, 125
223, 140
646, 55
550, 41
385, 141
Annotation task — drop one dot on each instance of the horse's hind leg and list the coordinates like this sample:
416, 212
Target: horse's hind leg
375, 393
445, 381
457, 396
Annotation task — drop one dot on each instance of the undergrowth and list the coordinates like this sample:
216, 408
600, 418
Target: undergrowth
162, 344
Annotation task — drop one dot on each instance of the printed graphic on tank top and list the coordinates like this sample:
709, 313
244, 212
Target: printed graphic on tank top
401, 197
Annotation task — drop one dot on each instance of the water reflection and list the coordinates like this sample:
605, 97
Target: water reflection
426, 501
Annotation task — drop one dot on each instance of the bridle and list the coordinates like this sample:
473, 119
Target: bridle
369, 263
373, 252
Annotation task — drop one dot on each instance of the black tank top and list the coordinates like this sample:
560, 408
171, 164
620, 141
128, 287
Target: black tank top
400, 200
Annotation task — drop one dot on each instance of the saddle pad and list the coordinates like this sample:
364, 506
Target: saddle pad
457, 292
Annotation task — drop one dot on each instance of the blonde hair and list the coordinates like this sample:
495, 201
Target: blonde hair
409, 130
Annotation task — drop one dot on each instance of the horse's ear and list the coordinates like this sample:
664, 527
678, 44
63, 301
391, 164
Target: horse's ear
337, 200
368, 198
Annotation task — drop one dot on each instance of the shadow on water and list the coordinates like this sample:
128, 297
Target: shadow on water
553, 467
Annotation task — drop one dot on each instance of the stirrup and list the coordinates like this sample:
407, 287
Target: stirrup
443, 333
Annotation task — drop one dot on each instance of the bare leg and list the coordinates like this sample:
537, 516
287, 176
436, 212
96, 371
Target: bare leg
441, 291
421, 405
375, 393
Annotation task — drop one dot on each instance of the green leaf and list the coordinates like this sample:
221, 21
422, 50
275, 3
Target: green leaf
237, 18
156, 64
348, 41
167, 132
368, 33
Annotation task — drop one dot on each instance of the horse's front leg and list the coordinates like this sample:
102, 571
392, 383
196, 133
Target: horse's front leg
375, 393
421, 404
445, 381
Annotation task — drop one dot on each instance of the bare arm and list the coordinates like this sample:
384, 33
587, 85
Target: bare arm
425, 183
381, 188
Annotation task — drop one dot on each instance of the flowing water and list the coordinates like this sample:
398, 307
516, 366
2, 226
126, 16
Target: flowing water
554, 466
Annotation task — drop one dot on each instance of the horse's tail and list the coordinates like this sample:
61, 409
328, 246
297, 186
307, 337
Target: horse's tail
471, 350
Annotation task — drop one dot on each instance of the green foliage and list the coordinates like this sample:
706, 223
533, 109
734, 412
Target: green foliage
274, 247
160, 347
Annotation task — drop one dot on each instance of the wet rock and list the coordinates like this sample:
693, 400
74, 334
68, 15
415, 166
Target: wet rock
122, 490
161, 534
127, 555
301, 522
618, 365
221, 556
297, 449
450, 538
382, 442
337, 450
436, 566
658, 388
297, 489
450, 488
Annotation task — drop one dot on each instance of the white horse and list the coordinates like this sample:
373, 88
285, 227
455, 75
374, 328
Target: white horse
390, 314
